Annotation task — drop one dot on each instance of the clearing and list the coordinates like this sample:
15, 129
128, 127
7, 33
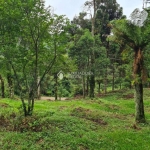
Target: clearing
105, 123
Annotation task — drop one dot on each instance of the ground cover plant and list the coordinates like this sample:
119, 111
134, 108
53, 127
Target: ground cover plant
104, 123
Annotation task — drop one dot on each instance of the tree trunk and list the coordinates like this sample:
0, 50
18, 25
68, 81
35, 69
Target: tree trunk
23, 105
120, 77
113, 78
92, 84
99, 87
105, 82
87, 86
120, 86
2, 87
56, 86
139, 105
83, 84
138, 73
106, 72
92, 77
10, 85
148, 81
38, 89
30, 108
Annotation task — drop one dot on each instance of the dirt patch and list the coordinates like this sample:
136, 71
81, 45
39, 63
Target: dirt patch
131, 115
53, 98
76, 97
135, 127
89, 115
121, 117
3, 121
30, 123
13, 122
112, 107
62, 108
99, 121
4, 105
101, 95
128, 96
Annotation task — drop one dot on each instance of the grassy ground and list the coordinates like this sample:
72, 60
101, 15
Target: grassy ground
105, 123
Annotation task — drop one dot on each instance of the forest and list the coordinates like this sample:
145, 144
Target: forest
80, 84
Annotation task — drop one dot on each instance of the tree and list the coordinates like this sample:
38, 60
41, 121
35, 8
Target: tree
60, 37
147, 63
81, 49
33, 51
89, 5
2, 86
100, 12
137, 38
107, 11
81, 21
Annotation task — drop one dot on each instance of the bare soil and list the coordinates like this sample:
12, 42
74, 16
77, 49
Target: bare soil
53, 98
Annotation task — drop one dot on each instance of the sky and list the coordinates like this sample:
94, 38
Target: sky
70, 8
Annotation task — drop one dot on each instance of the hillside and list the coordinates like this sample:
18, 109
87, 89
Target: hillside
105, 123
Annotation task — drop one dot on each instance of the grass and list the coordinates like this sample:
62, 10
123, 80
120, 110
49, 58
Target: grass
105, 123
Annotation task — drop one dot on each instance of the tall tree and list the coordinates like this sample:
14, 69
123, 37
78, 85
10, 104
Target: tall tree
137, 38
107, 10
91, 5
30, 47
101, 13
81, 49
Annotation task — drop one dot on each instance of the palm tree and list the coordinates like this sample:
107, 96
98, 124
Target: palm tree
137, 38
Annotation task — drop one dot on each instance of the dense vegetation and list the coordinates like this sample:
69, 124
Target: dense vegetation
96, 61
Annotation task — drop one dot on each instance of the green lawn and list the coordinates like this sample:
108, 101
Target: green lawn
105, 123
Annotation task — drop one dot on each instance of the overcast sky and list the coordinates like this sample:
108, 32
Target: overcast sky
70, 8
